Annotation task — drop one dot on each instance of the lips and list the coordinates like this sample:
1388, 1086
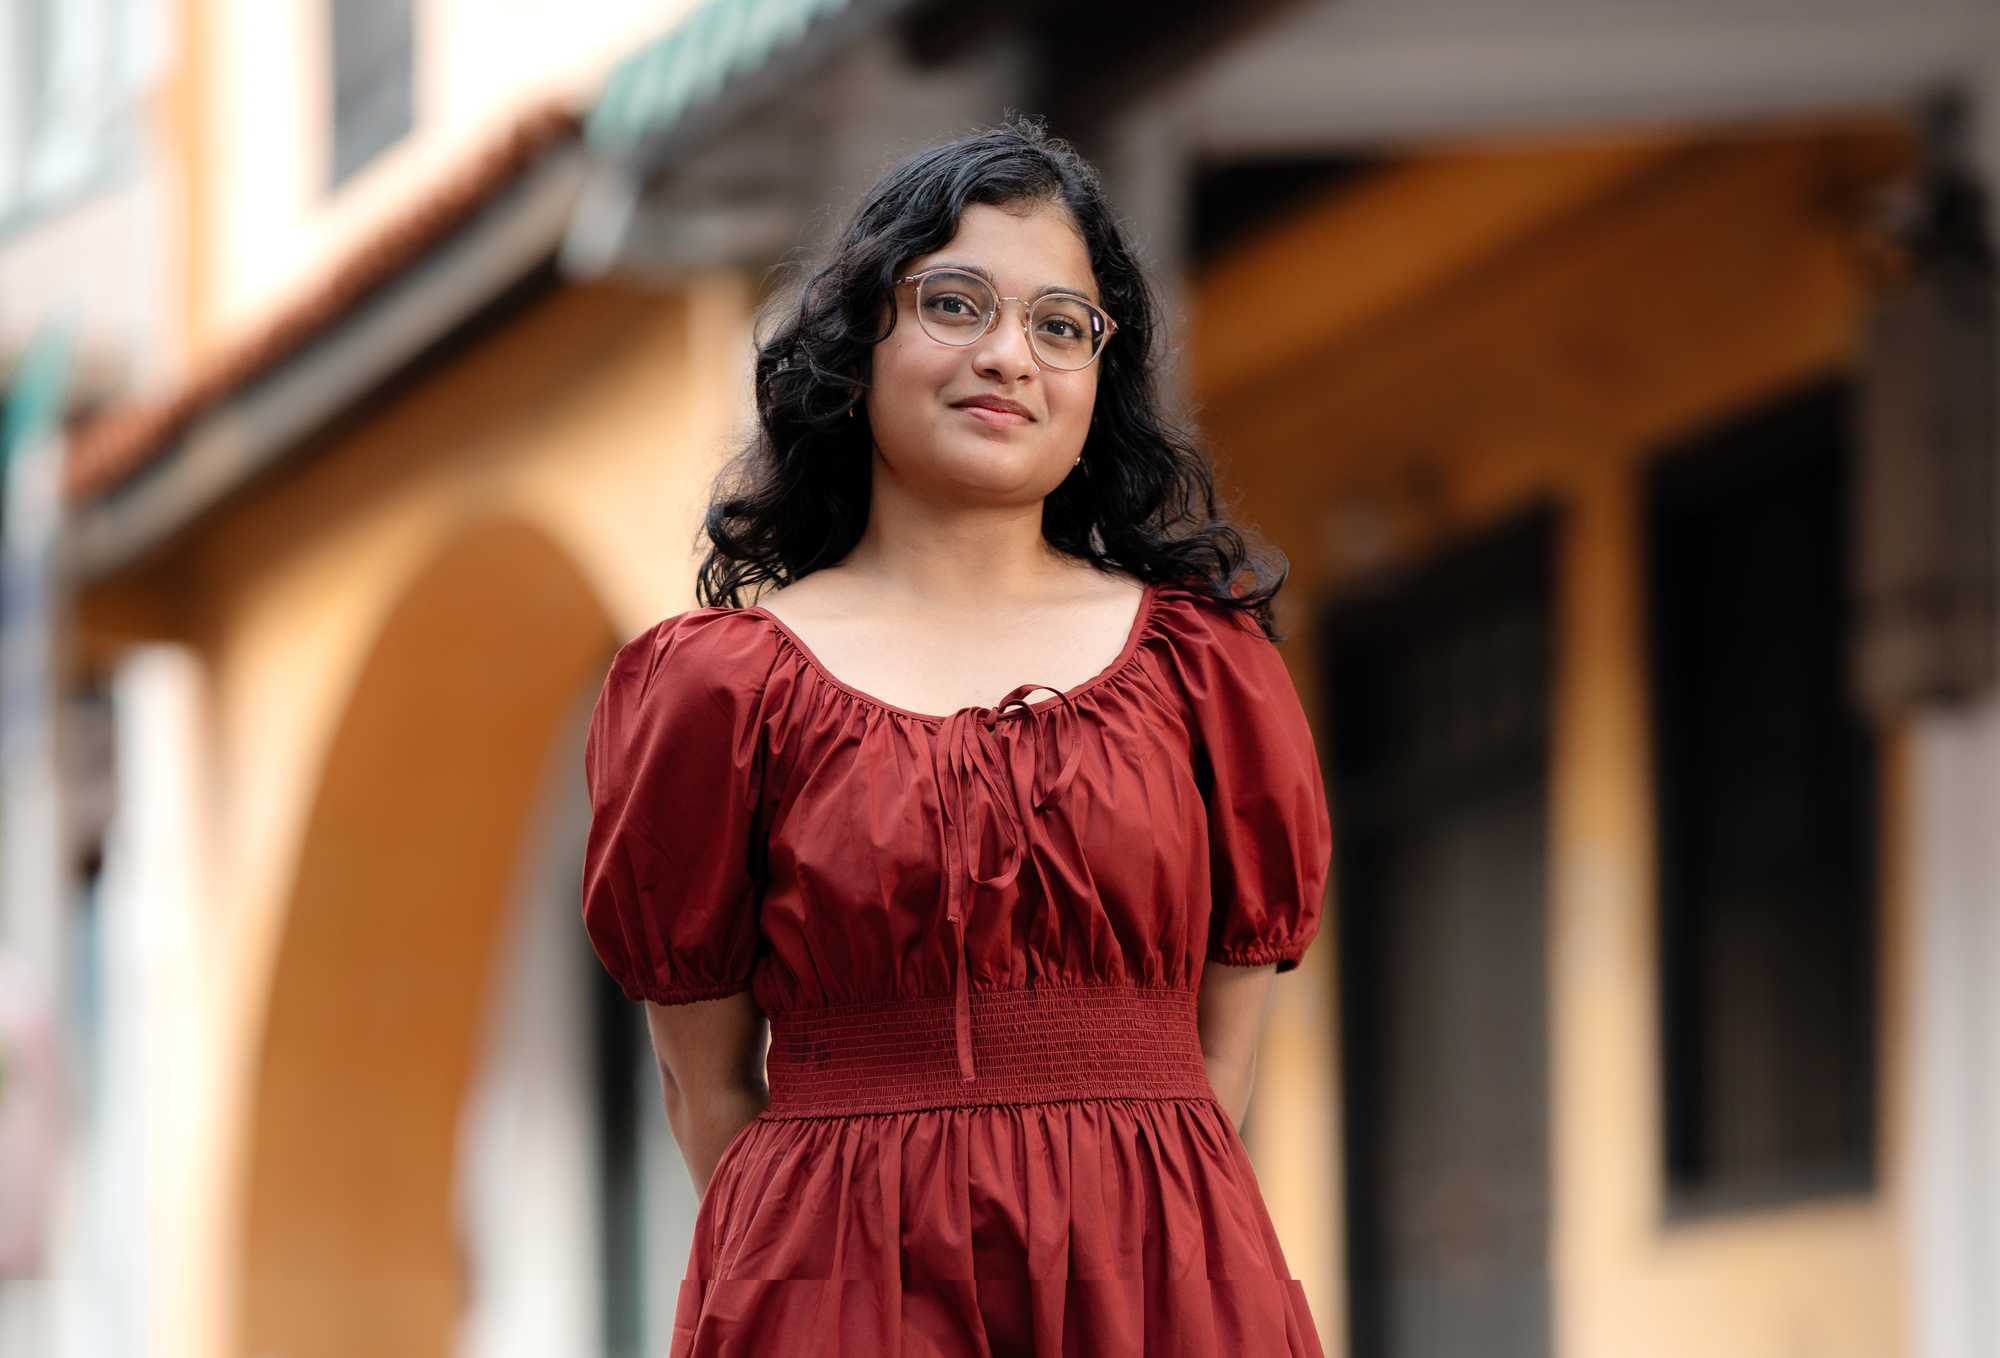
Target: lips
997, 405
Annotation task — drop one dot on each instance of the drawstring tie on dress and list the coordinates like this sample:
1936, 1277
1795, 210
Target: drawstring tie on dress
967, 748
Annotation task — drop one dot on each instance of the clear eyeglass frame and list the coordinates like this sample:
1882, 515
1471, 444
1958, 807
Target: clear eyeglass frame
992, 317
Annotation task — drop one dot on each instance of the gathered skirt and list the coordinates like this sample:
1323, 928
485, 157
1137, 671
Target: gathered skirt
1084, 1194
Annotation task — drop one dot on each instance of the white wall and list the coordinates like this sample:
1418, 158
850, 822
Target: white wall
1956, 1269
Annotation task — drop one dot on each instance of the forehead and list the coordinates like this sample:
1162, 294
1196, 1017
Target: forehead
1023, 250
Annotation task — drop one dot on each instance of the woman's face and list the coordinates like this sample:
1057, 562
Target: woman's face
913, 403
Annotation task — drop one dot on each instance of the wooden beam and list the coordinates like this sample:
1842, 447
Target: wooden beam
1725, 274
1364, 253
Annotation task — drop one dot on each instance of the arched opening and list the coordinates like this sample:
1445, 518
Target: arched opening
391, 936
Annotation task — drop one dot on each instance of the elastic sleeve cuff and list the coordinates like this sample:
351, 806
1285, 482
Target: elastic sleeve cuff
685, 994
1286, 952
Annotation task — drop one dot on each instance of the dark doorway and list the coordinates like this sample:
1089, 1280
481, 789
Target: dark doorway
1766, 779
1439, 698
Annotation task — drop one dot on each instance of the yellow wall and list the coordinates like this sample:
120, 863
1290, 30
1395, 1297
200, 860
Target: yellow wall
1406, 362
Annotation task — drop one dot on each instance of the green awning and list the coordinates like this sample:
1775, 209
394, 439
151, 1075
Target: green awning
34, 398
721, 47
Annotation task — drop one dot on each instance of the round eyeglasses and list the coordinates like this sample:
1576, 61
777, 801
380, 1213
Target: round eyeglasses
1065, 330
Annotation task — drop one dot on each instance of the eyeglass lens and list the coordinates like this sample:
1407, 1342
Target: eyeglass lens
1066, 331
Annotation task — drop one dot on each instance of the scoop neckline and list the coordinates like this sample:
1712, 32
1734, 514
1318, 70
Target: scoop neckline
1134, 634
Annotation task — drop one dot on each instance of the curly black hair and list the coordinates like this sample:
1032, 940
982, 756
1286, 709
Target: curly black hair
795, 498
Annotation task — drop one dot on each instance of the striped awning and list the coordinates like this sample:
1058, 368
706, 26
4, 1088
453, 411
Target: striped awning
720, 49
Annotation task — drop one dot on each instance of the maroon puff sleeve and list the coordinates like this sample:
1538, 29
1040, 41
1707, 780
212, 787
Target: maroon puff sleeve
1269, 832
671, 862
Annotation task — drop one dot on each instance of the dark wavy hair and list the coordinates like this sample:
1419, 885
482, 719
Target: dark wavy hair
796, 497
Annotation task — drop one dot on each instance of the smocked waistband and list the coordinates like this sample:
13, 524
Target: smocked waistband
1030, 1045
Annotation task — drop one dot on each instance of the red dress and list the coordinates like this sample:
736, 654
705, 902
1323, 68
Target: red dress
978, 939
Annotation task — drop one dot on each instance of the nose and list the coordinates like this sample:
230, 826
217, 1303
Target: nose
1003, 353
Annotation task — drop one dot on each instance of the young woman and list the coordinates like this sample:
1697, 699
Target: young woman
1014, 951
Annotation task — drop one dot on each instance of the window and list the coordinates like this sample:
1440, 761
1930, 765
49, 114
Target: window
374, 68
1766, 797
71, 72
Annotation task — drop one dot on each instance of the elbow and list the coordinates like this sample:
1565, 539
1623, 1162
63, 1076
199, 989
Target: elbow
684, 1111
694, 1107
672, 1092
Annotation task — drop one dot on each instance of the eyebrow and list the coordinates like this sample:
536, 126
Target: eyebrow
1042, 291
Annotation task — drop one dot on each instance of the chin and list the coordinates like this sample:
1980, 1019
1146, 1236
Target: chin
989, 462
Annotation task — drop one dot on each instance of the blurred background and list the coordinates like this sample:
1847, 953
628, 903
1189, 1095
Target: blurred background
1619, 377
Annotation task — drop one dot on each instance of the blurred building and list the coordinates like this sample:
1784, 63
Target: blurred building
86, 318
1621, 385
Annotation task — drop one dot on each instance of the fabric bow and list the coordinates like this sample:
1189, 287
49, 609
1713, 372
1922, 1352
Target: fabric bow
967, 751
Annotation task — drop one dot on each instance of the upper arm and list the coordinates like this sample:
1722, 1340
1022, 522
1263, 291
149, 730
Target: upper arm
1231, 1011
709, 1044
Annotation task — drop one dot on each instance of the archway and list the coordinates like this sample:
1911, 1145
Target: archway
390, 936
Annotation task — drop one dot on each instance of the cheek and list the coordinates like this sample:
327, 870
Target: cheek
904, 384
906, 370
1077, 407
889, 370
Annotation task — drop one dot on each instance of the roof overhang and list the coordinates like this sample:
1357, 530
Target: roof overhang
722, 144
